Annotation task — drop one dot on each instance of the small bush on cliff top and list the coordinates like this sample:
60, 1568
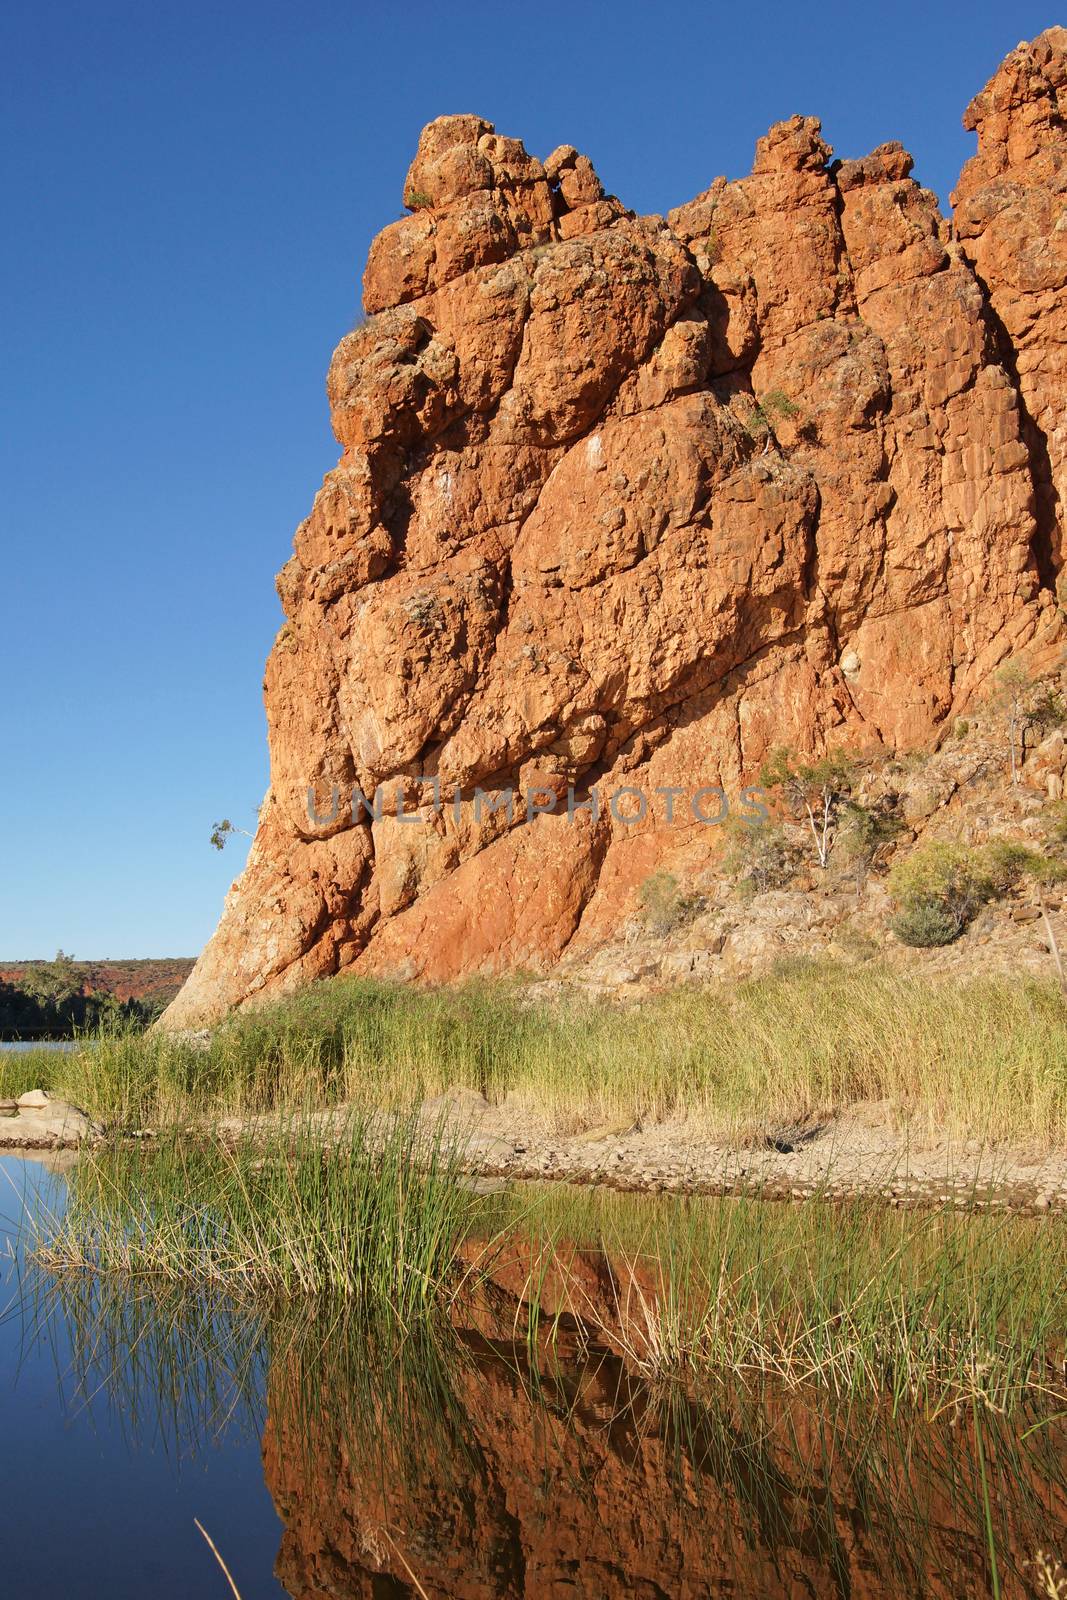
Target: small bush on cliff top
778, 404
774, 406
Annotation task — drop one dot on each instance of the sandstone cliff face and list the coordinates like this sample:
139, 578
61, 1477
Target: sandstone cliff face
624, 501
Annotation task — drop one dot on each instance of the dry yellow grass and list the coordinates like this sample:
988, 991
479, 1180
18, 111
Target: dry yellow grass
986, 1058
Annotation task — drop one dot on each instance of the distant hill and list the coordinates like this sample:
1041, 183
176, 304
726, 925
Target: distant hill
127, 980
56, 999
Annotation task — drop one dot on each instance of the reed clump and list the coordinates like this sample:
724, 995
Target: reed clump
983, 1058
375, 1215
25, 1069
935, 1308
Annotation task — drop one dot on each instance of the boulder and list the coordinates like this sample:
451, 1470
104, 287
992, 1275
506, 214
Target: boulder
42, 1122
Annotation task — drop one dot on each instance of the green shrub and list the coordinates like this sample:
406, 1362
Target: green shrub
759, 858
943, 878
664, 903
1006, 860
416, 200
864, 833
940, 886
776, 403
924, 925
1009, 860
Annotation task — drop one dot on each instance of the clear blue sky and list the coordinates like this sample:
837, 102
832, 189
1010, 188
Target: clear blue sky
188, 196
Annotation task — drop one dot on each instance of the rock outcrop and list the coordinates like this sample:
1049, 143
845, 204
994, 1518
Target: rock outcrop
37, 1122
623, 502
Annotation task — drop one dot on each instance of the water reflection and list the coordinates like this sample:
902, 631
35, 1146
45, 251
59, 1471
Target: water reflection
118, 1427
545, 1474
473, 1461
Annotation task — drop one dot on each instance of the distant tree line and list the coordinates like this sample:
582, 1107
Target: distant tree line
48, 1000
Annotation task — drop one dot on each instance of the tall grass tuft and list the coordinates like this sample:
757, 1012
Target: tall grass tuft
936, 1308
25, 1069
986, 1058
376, 1215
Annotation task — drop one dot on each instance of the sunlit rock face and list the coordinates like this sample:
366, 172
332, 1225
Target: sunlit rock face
622, 502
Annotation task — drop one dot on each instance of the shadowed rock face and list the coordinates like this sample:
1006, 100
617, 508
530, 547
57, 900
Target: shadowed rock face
624, 501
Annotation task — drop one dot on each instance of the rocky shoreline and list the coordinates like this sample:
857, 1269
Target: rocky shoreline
36, 1121
867, 1151
844, 1159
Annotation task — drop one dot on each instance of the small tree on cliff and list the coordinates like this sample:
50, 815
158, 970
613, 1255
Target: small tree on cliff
816, 790
1008, 700
221, 831
757, 859
1020, 704
773, 407
865, 836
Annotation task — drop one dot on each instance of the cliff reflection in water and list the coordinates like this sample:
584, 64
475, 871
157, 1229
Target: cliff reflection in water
470, 1461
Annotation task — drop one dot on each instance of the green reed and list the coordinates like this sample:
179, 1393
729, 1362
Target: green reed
936, 1307
986, 1057
939, 1308
376, 1214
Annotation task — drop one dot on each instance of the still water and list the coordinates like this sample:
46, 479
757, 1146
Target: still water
100, 1482
38, 1044
329, 1458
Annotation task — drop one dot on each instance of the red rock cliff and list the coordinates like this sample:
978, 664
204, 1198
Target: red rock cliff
625, 500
